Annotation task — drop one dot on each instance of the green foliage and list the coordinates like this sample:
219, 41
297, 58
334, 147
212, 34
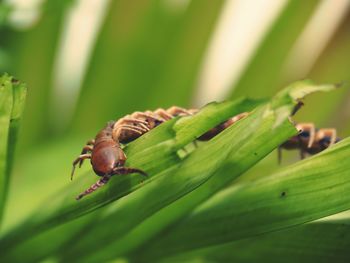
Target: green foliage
286, 198
321, 241
12, 98
220, 201
179, 184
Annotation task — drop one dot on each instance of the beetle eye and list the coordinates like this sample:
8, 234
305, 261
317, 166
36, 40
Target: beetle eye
304, 134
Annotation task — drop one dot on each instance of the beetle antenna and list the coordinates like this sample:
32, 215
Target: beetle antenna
72, 173
94, 187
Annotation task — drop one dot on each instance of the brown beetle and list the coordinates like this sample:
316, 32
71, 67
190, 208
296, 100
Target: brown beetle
310, 140
108, 159
105, 154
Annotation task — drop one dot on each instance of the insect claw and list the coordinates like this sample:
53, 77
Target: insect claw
79, 160
72, 173
94, 187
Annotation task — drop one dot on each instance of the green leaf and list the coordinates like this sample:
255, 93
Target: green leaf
155, 152
25, 48
303, 192
321, 241
193, 172
12, 98
200, 170
175, 187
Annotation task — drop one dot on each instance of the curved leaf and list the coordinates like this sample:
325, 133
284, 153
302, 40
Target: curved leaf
155, 152
259, 133
303, 192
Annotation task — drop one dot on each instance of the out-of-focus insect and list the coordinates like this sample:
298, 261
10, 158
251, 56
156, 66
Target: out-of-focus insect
108, 159
310, 140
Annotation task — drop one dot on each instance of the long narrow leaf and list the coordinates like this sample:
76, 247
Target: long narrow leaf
6, 104
321, 241
308, 190
36, 44
267, 123
194, 171
155, 152
12, 97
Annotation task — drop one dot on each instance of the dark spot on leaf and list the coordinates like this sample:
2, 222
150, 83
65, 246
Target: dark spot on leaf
255, 153
15, 81
283, 194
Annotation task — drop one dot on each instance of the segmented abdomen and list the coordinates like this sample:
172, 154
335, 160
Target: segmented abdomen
132, 126
310, 140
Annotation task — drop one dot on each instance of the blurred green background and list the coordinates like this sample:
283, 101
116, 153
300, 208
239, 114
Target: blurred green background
86, 62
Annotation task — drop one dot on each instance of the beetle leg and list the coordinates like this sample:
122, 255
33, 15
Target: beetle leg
239, 116
151, 119
129, 118
302, 151
133, 121
163, 114
308, 127
132, 128
81, 158
91, 142
86, 149
331, 133
177, 111
94, 187
127, 170
158, 117
146, 115
118, 131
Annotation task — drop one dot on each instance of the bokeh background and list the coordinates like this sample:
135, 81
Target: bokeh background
86, 62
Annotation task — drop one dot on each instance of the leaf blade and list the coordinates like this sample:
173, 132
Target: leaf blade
12, 99
300, 193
